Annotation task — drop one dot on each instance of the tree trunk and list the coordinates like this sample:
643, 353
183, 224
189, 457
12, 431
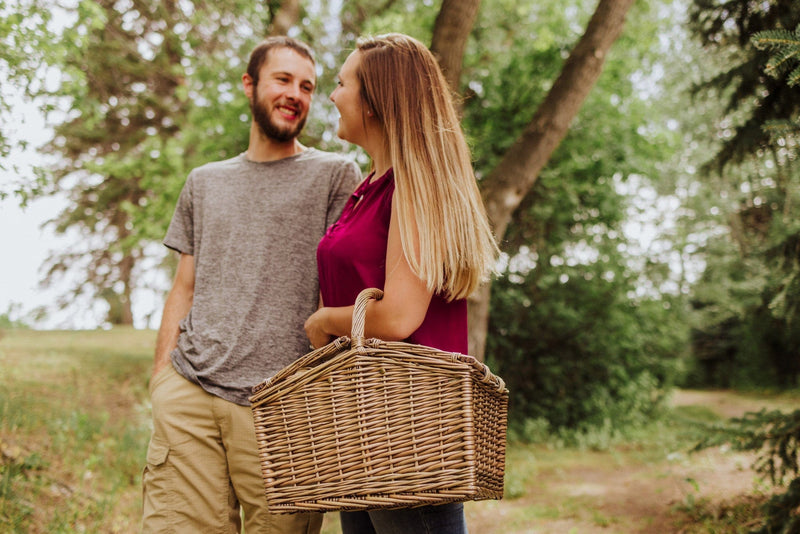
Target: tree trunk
515, 175
286, 17
126, 299
450, 33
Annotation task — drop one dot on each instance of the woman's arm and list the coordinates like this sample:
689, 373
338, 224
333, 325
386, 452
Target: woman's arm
393, 318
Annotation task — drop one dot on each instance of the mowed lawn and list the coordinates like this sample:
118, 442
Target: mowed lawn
75, 422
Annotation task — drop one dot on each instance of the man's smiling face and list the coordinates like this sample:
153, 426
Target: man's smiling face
282, 97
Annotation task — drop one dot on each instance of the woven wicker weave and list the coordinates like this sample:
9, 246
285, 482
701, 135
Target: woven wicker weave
364, 424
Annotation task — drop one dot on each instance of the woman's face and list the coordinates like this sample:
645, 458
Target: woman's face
347, 98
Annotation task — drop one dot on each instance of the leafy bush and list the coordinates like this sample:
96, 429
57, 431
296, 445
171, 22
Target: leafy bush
10, 318
581, 355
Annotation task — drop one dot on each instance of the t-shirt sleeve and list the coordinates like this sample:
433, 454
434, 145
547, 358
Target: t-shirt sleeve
344, 183
180, 233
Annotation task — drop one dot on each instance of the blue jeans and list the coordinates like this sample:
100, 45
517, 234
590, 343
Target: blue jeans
439, 519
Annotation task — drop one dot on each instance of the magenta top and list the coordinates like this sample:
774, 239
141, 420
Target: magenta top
352, 256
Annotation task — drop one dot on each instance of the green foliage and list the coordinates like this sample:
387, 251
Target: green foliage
586, 357
143, 94
22, 27
745, 327
785, 48
749, 328
745, 319
10, 318
579, 354
784, 61
503, 89
726, 28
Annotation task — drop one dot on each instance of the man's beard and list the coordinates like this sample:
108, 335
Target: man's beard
268, 127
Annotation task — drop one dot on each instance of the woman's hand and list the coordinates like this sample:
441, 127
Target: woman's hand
315, 329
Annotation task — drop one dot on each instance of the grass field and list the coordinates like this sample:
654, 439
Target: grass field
75, 421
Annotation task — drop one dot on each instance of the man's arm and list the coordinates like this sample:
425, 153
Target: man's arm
176, 307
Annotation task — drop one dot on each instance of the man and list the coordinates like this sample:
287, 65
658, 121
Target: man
247, 230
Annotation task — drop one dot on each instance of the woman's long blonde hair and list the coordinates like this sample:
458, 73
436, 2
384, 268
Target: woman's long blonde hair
402, 84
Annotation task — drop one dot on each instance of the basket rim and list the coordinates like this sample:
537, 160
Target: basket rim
356, 342
377, 353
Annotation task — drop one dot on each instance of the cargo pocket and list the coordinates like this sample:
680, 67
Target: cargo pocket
158, 491
157, 452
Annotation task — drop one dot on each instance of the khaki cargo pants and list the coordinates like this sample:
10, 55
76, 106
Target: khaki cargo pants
202, 465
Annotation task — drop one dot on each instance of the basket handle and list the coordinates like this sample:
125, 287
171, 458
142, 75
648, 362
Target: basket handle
360, 312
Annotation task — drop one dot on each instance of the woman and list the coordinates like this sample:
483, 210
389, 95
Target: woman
415, 227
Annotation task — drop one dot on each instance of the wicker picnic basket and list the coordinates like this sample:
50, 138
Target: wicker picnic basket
363, 424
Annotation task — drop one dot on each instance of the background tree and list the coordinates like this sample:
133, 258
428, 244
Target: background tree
511, 179
745, 327
451, 30
22, 28
578, 325
774, 436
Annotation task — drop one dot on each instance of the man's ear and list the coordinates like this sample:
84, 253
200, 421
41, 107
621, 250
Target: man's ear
247, 85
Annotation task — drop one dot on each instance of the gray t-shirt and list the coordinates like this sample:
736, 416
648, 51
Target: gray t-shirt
253, 229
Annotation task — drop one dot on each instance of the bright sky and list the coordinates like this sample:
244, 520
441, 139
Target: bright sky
26, 242
25, 246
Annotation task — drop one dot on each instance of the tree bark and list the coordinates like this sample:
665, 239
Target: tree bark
512, 179
450, 33
126, 299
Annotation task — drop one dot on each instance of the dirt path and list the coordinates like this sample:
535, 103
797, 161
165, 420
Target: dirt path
603, 499
730, 403
616, 492
605, 495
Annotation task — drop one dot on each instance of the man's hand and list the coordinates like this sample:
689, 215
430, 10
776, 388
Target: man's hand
177, 306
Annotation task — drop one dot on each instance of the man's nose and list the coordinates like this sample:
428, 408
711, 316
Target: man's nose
294, 91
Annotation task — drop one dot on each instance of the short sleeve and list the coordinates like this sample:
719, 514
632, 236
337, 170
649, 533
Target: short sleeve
180, 233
